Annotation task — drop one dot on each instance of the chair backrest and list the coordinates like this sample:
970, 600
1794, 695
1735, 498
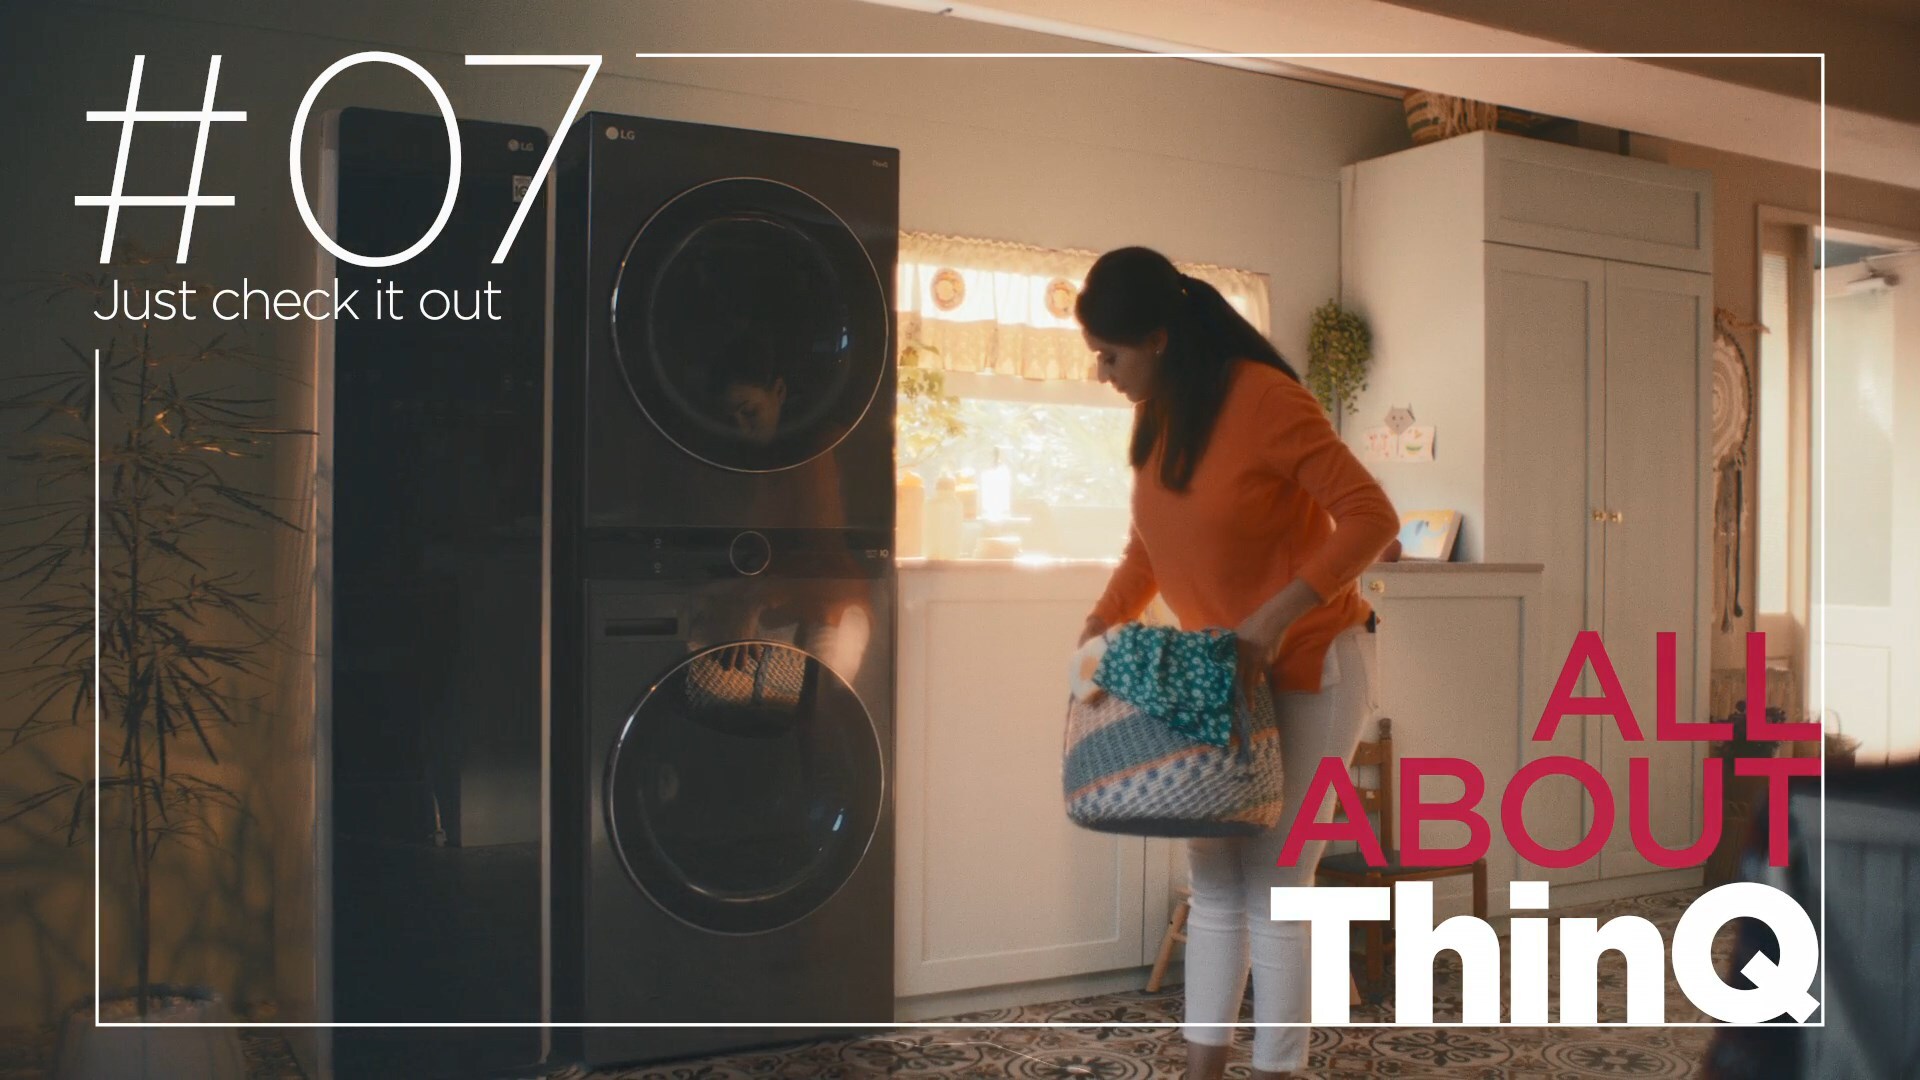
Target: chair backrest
1376, 798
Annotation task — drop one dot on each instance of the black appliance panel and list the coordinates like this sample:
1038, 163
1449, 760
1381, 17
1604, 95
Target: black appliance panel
435, 559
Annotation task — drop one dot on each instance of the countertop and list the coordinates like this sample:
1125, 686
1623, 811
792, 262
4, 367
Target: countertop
1023, 562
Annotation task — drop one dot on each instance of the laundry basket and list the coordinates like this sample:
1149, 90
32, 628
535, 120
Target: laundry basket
749, 676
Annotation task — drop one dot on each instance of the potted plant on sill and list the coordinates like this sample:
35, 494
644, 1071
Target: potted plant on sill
926, 420
928, 417
179, 633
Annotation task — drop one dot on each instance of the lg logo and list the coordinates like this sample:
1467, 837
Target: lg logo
618, 134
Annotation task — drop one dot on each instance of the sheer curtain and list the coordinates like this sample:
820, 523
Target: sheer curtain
1006, 308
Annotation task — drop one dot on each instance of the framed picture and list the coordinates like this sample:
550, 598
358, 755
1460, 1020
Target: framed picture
1428, 535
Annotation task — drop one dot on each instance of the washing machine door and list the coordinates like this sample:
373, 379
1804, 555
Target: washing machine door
750, 324
745, 788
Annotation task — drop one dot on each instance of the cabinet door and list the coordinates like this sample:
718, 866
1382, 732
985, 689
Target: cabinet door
1564, 198
1658, 486
1459, 658
1545, 325
995, 885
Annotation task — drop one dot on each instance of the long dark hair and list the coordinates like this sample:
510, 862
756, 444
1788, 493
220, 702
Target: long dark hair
1132, 292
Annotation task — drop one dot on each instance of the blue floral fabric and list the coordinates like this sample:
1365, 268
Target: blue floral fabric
1184, 678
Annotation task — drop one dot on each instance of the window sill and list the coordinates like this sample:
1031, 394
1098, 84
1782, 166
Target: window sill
1021, 562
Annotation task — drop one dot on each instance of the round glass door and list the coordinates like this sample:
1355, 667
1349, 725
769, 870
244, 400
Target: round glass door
745, 788
750, 324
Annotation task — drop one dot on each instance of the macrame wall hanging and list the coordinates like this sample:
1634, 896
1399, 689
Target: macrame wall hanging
1732, 432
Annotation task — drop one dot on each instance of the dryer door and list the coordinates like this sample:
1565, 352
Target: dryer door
750, 324
745, 788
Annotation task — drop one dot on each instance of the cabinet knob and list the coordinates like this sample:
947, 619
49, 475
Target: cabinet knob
1616, 517
1599, 515
1377, 586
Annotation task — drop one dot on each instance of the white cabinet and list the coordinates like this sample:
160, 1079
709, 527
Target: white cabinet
995, 886
1457, 664
1547, 310
1561, 198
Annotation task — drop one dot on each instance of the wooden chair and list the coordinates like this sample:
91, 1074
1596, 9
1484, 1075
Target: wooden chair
1350, 868
1176, 934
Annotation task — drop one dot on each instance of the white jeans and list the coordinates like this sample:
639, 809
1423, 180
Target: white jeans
1227, 925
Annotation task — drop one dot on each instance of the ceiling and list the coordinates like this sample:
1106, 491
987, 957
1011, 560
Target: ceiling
1871, 45
1903, 12
1764, 107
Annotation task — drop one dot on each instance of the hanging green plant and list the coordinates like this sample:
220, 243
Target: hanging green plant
1338, 351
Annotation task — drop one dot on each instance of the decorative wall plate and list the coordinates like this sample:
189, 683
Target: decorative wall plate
1060, 297
949, 289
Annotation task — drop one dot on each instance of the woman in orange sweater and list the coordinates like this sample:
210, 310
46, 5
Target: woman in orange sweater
1248, 513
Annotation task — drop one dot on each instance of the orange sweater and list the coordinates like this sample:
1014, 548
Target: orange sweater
1276, 496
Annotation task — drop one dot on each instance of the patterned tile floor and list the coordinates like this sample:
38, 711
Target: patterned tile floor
1150, 1053
1122, 1051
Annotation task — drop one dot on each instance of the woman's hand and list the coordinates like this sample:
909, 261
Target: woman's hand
1093, 628
1260, 635
1258, 643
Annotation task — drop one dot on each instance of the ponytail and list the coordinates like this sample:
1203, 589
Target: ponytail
1132, 292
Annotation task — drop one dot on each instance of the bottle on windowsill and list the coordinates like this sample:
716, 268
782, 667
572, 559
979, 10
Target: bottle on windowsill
996, 490
945, 516
967, 489
910, 497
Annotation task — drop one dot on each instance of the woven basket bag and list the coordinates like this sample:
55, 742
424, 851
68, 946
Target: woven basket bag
1127, 772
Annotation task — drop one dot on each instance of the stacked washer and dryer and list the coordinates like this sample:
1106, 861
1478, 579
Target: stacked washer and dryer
713, 676
721, 585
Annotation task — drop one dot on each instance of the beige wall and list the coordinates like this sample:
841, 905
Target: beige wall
1742, 186
1209, 164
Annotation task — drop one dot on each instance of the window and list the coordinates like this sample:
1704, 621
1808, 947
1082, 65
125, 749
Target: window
1064, 448
1781, 479
994, 372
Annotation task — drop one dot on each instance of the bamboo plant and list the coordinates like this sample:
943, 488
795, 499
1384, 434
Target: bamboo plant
181, 632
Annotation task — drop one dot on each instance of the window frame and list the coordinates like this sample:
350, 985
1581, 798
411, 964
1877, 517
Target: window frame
1782, 233
980, 385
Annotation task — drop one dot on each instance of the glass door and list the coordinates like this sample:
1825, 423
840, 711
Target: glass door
745, 788
1871, 505
750, 325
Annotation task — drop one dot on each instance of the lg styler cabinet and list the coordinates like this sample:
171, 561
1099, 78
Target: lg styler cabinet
1548, 311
